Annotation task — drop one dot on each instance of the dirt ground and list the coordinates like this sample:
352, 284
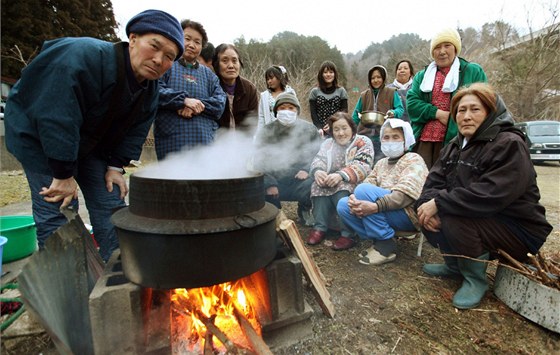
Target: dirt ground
394, 308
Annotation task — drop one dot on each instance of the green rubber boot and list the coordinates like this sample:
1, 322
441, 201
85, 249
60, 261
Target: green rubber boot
449, 269
474, 285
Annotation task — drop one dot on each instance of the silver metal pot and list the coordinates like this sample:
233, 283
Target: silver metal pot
372, 118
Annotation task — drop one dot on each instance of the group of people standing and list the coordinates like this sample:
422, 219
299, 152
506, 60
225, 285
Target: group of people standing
447, 160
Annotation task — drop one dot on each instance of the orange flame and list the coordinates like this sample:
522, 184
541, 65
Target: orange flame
216, 303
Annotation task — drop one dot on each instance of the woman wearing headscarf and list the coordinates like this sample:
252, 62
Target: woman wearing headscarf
481, 195
384, 203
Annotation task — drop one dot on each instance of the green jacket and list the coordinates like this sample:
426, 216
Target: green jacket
419, 106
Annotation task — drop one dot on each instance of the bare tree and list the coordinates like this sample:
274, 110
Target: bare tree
525, 72
18, 56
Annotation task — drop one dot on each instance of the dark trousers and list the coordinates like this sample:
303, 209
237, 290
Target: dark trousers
377, 153
100, 204
324, 212
292, 189
474, 236
429, 151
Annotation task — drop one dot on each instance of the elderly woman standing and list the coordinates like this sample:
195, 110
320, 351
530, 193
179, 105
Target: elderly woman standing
242, 98
384, 203
429, 99
342, 162
191, 100
481, 195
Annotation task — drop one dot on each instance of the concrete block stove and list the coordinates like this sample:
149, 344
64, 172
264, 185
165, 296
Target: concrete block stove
129, 319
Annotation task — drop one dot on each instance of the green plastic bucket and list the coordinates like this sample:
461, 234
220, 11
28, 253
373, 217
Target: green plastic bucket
22, 237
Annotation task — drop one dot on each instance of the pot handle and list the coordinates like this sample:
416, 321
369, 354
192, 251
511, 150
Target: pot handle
245, 221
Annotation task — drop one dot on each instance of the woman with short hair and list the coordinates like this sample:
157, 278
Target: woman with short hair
404, 72
191, 100
242, 99
481, 195
342, 162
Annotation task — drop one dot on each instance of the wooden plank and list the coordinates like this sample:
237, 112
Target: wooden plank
290, 234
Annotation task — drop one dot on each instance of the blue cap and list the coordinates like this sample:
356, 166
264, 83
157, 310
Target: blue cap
160, 22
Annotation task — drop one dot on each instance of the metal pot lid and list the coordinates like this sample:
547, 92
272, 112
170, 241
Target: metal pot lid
195, 199
124, 219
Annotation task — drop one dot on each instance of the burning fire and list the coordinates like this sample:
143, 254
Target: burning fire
209, 317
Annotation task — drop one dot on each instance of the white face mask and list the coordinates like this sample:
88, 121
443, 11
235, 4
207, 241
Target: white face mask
392, 149
286, 117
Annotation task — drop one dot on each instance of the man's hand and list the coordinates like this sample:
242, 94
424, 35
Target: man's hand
302, 175
115, 177
61, 189
273, 191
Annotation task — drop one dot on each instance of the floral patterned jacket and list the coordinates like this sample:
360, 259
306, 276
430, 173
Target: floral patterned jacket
353, 162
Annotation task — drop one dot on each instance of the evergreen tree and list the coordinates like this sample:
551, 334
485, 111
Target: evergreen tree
26, 24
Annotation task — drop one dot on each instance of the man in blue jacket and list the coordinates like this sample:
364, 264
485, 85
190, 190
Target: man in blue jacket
81, 111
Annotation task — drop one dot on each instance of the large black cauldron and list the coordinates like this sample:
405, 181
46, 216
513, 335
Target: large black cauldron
195, 233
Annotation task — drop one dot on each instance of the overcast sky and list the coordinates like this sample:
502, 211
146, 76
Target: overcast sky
350, 25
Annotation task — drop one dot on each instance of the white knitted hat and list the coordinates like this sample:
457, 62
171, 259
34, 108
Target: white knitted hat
447, 35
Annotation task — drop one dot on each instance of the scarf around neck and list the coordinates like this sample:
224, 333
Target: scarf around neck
451, 82
404, 86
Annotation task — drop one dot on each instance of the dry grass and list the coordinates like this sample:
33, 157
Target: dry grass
13, 188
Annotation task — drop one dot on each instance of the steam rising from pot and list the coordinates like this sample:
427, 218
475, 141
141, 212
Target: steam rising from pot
230, 156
